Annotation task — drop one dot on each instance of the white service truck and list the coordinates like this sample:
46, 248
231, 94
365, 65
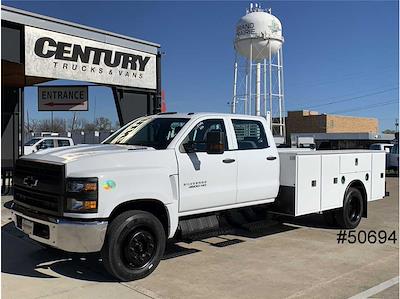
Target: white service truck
165, 175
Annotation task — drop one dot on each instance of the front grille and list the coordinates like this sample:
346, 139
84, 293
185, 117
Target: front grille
36, 199
39, 186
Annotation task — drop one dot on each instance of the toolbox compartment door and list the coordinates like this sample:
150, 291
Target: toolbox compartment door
308, 184
355, 162
331, 187
378, 176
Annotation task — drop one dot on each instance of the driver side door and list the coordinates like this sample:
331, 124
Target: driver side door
206, 180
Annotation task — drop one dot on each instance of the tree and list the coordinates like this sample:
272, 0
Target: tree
32, 126
46, 125
89, 126
103, 124
61, 125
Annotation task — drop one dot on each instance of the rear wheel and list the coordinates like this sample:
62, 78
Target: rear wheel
350, 215
134, 245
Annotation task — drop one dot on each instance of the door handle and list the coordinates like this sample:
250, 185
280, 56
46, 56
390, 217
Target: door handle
270, 158
228, 160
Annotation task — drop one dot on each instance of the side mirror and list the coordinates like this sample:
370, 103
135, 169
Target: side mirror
215, 142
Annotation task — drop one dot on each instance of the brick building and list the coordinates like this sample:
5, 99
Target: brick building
334, 131
313, 122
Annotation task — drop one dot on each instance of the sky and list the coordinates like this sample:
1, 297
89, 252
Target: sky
339, 56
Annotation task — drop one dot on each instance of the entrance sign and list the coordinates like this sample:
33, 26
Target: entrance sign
55, 55
62, 98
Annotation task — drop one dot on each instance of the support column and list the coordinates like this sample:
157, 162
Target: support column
258, 90
234, 87
250, 75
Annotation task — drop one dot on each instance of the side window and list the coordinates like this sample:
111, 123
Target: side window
47, 143
250, 134
63, 142
198, 135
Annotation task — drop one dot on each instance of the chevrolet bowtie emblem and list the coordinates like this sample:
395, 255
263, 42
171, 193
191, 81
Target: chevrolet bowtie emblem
30, 181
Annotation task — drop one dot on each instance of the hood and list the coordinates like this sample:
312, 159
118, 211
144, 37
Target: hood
73, 153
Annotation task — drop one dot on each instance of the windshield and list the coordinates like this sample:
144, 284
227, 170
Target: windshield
147, 131
32, 141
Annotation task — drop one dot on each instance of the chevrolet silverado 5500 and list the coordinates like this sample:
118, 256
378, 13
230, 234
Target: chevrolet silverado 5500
166, 175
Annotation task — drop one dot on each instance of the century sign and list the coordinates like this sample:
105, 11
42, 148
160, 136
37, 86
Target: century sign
55, 55
62, 98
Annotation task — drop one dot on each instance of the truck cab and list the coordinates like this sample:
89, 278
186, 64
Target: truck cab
159, 176
40, 143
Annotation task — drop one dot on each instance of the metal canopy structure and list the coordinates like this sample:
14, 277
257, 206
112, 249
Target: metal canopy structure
38, 48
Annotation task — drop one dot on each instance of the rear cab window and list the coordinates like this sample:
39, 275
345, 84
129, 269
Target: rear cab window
250, 134
63, 142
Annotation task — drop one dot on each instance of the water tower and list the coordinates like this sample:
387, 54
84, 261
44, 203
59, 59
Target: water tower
258, 68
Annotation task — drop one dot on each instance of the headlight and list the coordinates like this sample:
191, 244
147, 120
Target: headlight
81, 195
81, 185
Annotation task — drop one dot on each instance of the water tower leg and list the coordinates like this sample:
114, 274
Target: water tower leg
265, 87
270, 88
250, 75
246, 91
280, 95
258, 90
234, 88
283, 93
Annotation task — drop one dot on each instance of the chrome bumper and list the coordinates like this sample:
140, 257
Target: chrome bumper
68, 235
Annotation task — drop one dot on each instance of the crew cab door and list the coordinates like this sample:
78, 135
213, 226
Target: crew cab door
206, 180
258, 161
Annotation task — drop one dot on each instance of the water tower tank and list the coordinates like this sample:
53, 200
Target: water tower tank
260, 29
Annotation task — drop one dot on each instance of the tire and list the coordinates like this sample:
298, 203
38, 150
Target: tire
350, 215
134, 245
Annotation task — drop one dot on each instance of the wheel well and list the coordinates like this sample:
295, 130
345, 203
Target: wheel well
152, 206
360, 187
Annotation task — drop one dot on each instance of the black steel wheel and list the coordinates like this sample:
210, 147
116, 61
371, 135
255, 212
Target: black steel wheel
134, 245
350, 215
138, 249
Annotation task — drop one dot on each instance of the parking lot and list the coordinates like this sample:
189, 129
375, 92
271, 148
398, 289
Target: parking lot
296, 258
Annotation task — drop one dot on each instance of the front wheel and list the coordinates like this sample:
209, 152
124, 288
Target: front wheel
134, 245
350, 215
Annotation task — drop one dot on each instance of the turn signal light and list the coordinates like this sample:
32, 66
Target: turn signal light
90, 204
90, 187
